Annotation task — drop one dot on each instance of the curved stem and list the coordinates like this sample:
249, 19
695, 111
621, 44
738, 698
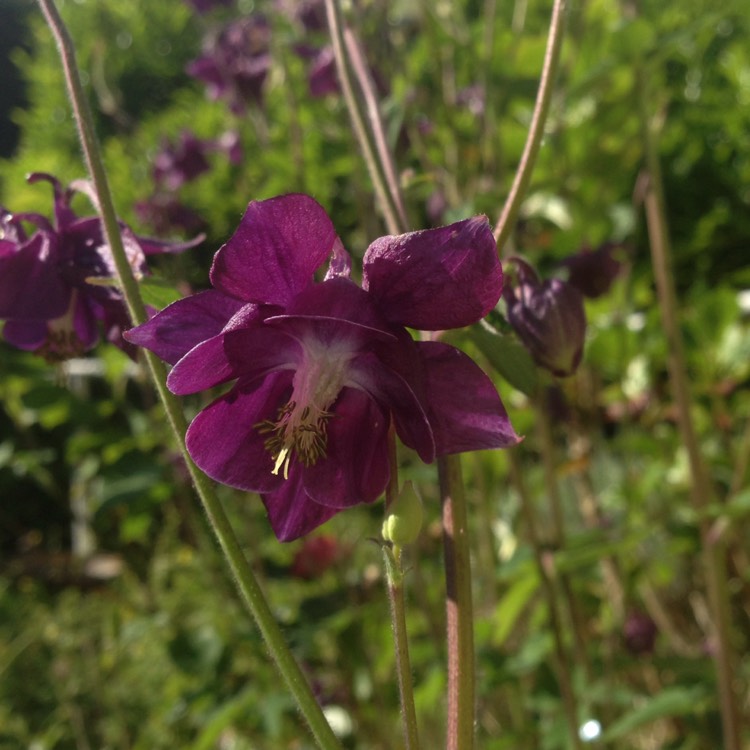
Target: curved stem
459, 610
505, 223
238, 564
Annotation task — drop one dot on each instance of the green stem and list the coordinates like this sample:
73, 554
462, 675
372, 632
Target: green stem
505, 224
395, 579
460, 619
702, 491
375, 166
238, 564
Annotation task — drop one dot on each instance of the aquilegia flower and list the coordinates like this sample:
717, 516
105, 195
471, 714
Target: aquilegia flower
46, 296
235, 63
593, 272
548, 317
322, 370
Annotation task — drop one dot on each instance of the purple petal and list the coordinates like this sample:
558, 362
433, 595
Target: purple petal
174, 331
279, 244
30, 283
203, 367
355, 469
464, 408
28, 335
437, 278
291, 512
257, 351
397, 390
63, 213
225, 442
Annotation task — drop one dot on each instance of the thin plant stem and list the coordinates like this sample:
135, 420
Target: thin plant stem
504, 226
388, 165
459, 610
234, 555
358, 118
460, 633
547, 577
701, 488
549, 463
395, 583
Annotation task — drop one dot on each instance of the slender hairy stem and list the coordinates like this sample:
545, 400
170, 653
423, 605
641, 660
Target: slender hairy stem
395, 583
504, 226
702, 491
461, 668
244, 577
545, 567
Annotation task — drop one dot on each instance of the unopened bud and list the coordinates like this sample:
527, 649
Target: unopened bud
403, 521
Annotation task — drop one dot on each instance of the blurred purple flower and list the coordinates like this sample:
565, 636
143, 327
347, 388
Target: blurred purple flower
165, 213
235, 62
322, 77
181, 162
46, 296
549, 319
639, 633
323, 369
205, 6
473, 98
592, 272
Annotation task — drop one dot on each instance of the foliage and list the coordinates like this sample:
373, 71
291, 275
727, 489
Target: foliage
157, 653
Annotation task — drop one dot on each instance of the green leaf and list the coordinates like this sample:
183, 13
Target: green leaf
678, 701
512, 605
508, 357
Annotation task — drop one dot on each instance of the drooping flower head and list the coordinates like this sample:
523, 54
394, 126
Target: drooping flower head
548, 317
322, 370
235, 62
47, 297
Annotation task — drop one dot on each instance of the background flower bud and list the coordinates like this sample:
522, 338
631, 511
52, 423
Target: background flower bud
549, 319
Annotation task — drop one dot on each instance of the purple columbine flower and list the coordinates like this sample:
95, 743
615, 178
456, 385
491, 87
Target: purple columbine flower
181, 162
593, 272
46, 296
548, 317
322, 370
235, 63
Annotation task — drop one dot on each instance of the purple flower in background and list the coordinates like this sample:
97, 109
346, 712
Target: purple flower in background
592, 272
179, 163
46, 296
182, 162
205, 6
322, 77
639, 633
235, 62
549, 319
322, 370
165, 213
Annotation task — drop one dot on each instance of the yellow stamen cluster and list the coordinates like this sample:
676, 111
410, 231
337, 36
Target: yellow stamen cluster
299, 434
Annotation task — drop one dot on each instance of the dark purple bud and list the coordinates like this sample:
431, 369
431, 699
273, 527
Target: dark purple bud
592, 272
548, 317
639, 633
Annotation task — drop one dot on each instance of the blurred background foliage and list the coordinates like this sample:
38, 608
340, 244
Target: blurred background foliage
119, 628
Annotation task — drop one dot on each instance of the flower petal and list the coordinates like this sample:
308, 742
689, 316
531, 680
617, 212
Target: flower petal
30, 283
275, 250
291, 512
174, 331
225, 442
256, 351
437, 278
355, 469
463, 406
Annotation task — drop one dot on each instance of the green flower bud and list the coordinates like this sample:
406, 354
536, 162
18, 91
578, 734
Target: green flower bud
403, 521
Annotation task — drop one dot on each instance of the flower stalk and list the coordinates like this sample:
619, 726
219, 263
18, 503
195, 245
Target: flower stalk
234, 555
507, 219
